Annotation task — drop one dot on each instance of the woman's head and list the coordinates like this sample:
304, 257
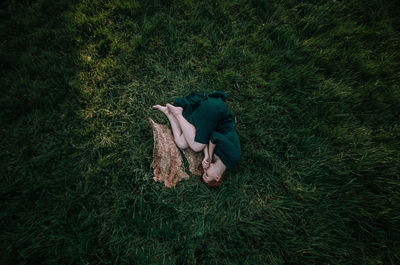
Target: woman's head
212, 177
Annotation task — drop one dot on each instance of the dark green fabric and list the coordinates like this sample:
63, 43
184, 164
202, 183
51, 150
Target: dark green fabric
213, 121
227, 147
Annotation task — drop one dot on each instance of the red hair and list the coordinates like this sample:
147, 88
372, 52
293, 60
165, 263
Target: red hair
213, 183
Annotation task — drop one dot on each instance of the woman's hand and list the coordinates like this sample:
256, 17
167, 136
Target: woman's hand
206, 162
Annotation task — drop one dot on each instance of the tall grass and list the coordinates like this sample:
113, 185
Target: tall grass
314, 87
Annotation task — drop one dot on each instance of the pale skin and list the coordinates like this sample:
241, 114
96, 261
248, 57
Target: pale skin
184, 133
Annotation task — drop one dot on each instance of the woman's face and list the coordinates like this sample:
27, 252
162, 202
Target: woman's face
210, 174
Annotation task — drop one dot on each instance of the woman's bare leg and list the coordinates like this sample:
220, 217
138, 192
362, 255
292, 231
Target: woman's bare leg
188, 130
179, 138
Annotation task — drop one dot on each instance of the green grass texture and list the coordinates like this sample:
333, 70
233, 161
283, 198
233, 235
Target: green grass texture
314, 88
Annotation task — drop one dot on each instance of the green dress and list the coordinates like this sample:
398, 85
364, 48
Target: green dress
213, 122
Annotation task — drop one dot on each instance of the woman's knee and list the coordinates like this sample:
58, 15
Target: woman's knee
181, 143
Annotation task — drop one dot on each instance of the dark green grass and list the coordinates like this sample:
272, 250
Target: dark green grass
314, 86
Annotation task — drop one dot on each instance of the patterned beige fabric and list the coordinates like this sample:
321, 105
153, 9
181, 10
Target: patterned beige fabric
167, 161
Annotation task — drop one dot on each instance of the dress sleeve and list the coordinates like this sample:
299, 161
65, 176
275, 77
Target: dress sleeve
226, 149
207, 116
214, 137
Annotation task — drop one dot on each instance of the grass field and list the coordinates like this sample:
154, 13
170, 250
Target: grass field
314, 86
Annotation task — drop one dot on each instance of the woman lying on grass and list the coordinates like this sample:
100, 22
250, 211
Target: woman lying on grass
204, 123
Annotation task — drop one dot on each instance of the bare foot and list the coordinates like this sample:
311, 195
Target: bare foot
174, 110
163, 109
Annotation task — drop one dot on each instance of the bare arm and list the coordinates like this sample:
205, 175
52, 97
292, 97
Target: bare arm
211, 148
205, 151
206, 161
